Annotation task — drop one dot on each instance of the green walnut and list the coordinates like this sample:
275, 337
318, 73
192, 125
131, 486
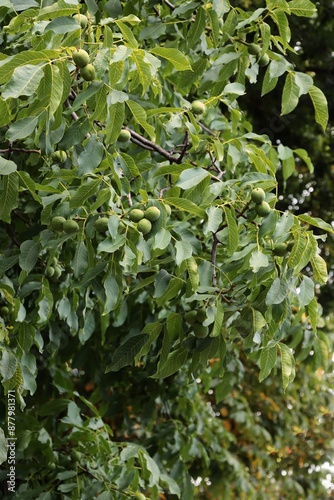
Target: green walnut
82, 20
254, 49
144, 226
80, 58
124, 135
59, 156
191, 317
70, 226
168, 210
140, 496
136, 215
50, 271
57, 223
198, 107
152, 213
258, 195
88, 72
201, 315
57, 273
101, 224
280, 249
4, 311
200, 330
262, 209
264, 60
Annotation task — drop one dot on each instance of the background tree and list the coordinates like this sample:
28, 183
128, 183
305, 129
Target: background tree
160, 320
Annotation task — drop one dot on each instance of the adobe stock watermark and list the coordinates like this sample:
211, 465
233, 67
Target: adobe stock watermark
11, 442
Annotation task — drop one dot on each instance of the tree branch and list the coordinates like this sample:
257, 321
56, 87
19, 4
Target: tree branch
146, 143
20, 150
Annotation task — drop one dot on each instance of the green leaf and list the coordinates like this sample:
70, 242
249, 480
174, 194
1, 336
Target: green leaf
288, 365
7, 263
24, 81
8, 364
192, 269
173, 363
3, 447
316, 221
22, 128
161, 239
305, 157
127, 34
320, 106
268, 359
80, 259
319, 268
187, 206
84, 192
91, 156
62, 25
277, 292
197, 28
322, 350
300, 253
290, 95
7, 166
218, 323
183, 251
191, 177
112, 293
215, 217
126, 353
140, 116
90, 275
161, 282
115, 122
306, 291
313, 312
172, 290
258, 260
232, 225
174, 56
29, 252
303, 8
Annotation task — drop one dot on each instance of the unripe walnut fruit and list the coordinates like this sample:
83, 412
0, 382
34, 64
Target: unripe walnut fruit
200, 330
82, 20
124, 136
258, 195
80, 58
264, 60
59, 156
201, 315
88, 72
262, 209
70, 227
191, 317
254, 49
152, 213
136, 215
197, 107
280, 249
57, 223
144, 226
101, 225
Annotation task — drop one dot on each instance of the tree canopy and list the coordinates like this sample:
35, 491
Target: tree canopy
161, 318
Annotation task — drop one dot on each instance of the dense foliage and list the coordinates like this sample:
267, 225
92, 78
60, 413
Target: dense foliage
160, 322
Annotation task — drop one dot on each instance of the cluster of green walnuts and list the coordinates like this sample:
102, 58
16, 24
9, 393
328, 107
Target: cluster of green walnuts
262, 209
143, 219
195, 319
254, 49
81, 60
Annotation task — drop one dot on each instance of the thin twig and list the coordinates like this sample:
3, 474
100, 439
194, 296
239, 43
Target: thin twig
147, 143
206, 129
22, 150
